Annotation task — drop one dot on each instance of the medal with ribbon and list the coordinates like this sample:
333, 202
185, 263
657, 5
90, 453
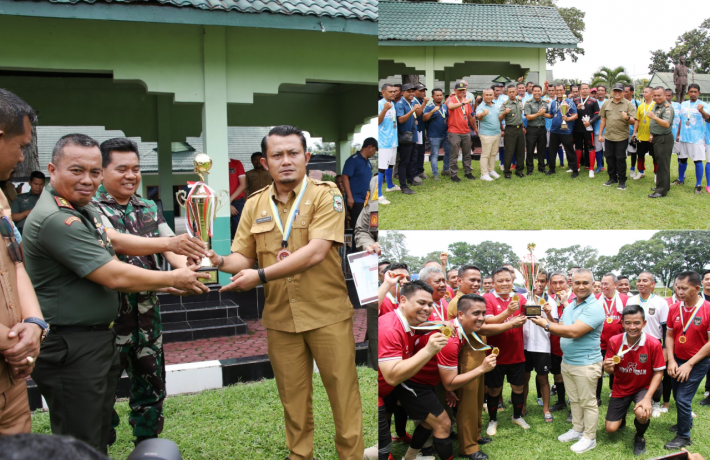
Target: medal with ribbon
682, 338
461, 333
646, 110
283, 253
617, 358
441, 326
610, 309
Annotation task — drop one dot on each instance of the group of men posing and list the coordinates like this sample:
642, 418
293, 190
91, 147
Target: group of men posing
529, 121
648, 345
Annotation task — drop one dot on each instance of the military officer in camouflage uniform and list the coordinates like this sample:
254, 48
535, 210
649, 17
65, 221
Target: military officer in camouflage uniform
514, 139
72, 264
661, 128
138, 327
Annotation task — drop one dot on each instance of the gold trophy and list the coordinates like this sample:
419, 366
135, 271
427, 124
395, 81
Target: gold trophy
564, 108
201, 204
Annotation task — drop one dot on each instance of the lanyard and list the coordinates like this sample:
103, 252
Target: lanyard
441, 111
392, 299
622, 353
440, 311
410, 108
584, 101
475, 336
610, 309
690, 320
291, 215
646, 110
463, 109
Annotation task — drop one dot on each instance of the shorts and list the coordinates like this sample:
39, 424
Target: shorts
676, 147
514, 373
693, 152
390, 402
618, 407
707, 151
555, 364
538, 361
630, 148
645, 147
386, 157
418, 400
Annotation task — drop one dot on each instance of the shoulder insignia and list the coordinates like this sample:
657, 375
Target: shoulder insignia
367, 198
325, 182
71, 220
666, 105
338, 203
63, 203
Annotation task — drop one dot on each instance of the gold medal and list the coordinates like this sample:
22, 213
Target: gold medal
447, 331
516, 298
447, 296
495, 351
616, 359
542, 301
682, 339
609, 320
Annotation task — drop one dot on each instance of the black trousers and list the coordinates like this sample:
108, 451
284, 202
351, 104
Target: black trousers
405, 175
536, 137
565, 140
355, 213
418, 164
514, 144
662, 149
615, 154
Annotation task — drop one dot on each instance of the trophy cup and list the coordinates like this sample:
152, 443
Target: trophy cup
201, 204
564, 108
530, 269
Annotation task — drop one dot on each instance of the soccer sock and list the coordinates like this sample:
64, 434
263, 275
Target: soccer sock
493, 407
707, 173
579, 158
547, 156
599, 387
537, 387
443, 448
561, 155
600, 161
419, 437
380, 180
655, 167
592, 157
657, 395
388, 176
560, 392
633, 162
641, 427
682, 166
501, 153
400, 421
611, 382
518, 400
698, 173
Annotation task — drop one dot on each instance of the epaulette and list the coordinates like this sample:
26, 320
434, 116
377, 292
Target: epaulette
258, 191
63, 203
666, 105
325, 182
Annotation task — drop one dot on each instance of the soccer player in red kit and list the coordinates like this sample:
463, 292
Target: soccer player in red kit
613, 303
639, 373
388, 291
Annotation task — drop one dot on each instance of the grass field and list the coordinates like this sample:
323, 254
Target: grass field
243, 421
540, 441
540, 202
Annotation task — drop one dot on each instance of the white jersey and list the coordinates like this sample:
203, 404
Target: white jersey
535, 338
656, 310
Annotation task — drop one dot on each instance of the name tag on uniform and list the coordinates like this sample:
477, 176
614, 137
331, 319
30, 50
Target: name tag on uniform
261, 220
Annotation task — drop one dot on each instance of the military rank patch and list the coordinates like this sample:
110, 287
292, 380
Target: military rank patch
374, 220
71, 220
63, 203
338, 203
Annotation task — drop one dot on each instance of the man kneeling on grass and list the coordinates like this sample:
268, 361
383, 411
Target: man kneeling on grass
636, 360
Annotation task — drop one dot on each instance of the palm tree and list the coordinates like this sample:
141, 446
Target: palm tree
608, 77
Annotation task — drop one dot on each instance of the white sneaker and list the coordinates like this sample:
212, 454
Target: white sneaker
656, 410
584, 445
421, 456
655, 176
591, 174
639, 176
487, 178
492, 428
664, 410
370, 453
569, 170
706, 394
494, 174
383, 200
394, 189
571, 435
694, 414
632, 174
520, 422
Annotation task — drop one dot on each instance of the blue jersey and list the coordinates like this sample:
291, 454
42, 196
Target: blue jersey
403, 108
692, 128
676, 118
387, 130
598, 123
557, 117
548, 121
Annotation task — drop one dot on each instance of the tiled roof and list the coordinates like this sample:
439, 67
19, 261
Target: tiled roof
444, 22
243, 141
361, 9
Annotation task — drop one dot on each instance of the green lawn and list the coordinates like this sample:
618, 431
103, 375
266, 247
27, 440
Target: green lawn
540, 202
243, 421
540, 441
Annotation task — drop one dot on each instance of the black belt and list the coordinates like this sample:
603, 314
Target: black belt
75, 329
514, 126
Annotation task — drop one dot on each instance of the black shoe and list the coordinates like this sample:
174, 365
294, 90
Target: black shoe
407, 191
469, 176
484, 440
677, 443
477, 456
705, 401
575, 174
558, 406
428, 451
455, 179
677, 182
454, 436
550, 172
415, 184
519, 174
610, 182
553, 390
529, 173
622, 186
656, 195
698, 190
639, 445
112, 437
507, 176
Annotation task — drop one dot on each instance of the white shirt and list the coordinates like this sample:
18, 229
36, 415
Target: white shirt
535, 338
656, 309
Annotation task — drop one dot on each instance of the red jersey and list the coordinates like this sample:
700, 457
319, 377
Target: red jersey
450, 292
555, 339
612, 309
429, 374
389, 304
597, 296
635, 371
697, 333
510, 342
395, 343
236, 169
671, 300
457, 121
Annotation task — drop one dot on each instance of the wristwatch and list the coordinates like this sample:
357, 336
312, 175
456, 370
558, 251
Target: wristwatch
41, 323
547, 327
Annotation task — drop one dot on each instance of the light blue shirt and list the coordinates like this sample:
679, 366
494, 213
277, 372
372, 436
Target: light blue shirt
598, 123
548, 121
489, 125
500, 101
707, 132
387, 131
584, 350
694, 133
676, 118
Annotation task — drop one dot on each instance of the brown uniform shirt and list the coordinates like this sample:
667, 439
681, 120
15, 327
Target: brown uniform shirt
617, 128
317, 297
10, 309
256, 180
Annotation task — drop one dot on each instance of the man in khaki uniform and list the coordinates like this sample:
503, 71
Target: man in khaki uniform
293, 229
258, 177
616, 114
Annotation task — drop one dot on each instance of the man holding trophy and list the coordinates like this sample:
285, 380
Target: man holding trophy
293, 229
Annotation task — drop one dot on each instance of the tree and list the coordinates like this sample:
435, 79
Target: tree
394, 249
460, 253
604, 265
640, 85
660, 62
489, 255
565, 258
608, 77
694, 45
642, 255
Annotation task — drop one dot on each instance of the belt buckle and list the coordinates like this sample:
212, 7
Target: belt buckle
110, 326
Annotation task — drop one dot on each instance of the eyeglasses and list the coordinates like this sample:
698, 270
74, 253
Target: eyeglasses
13, 248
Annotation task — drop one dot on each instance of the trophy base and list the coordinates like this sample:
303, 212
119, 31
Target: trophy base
213, 272
564, 126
